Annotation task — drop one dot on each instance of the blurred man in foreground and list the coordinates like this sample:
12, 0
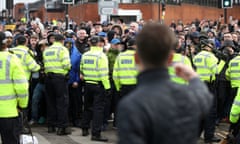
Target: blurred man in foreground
158, 110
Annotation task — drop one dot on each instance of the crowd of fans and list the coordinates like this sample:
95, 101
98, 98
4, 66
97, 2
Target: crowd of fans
115, 36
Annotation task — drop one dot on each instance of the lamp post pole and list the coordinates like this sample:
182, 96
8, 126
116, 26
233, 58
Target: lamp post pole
66, 16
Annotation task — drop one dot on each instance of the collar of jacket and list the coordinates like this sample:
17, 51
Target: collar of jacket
131, 48
95, 48
156, 74
22, 46
57, 44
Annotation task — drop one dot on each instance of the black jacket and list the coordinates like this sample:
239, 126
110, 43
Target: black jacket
159, 111
82, 46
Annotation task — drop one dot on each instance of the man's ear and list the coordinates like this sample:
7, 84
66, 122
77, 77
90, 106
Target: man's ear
170, 58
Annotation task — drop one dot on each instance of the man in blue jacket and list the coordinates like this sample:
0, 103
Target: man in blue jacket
74, 87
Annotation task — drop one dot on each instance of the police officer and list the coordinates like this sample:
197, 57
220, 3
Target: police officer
206, 65
225, 98
26, 56
94, 71
124, 74
29, 65
57, 65
178, 58
14, 94
233, 75
125, 71
234, 118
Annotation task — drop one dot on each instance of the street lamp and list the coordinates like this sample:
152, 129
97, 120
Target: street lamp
67, 2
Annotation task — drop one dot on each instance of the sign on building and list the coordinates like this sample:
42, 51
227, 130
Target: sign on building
107, 7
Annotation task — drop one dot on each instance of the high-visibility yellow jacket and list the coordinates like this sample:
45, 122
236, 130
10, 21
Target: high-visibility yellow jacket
13, 85
206, 64
27, 60
178, 58
233, 72
94, 67
56, 59
235, 110
125, 71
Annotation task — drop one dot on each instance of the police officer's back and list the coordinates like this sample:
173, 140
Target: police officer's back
14, 94
94, 71
57, 64
125, 71
26, 56
178, 58
207, 67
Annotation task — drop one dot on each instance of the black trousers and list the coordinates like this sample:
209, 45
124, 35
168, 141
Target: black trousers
57, 101
223, 99
210, 120
75, 103
93, 107
109, 103
10, 130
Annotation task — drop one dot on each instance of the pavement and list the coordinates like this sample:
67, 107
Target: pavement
76, 137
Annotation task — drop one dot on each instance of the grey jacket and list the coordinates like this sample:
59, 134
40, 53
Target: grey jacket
162, 112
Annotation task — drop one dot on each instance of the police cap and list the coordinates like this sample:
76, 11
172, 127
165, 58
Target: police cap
131, 42
58, 37
21, 39
228, 43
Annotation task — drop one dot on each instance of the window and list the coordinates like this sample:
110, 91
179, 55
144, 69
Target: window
211, 3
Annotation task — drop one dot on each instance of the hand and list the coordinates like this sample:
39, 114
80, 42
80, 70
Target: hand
75, 85
184, 71
81, 77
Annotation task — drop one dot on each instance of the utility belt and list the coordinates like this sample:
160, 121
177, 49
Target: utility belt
210, 80
55, 75
97, 83
93, 82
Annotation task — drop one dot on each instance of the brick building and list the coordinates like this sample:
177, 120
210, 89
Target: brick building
84, 11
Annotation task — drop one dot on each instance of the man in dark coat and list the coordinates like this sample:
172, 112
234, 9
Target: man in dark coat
160, 111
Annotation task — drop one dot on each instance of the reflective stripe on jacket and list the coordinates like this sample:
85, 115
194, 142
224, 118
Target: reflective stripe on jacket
206, 64
28, 62
125, 71
94, 66
178, 58
235, 110
233, 72
56, 59
13, 85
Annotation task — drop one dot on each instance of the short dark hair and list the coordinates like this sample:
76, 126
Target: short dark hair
154, 44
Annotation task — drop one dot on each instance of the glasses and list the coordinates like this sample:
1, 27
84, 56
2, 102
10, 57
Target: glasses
9, 37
